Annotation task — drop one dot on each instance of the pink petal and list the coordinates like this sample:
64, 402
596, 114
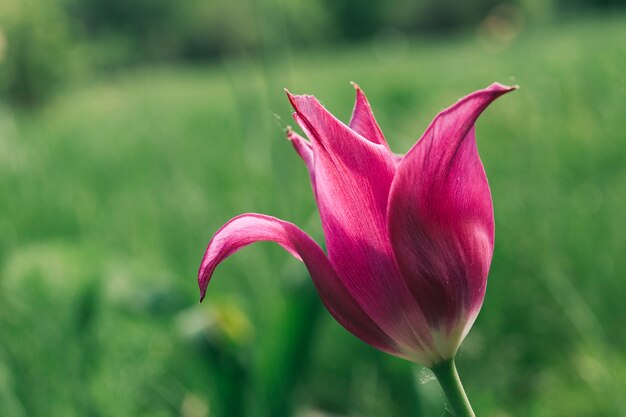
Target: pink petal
363, 121
441, 217
352, 181
303, 147
249, 228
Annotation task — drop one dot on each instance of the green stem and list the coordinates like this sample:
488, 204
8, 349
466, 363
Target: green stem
451, 384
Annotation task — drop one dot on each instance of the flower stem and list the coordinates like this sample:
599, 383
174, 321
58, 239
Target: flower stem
450, 382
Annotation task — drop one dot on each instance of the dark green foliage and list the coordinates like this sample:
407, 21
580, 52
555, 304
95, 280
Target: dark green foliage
35, 51
47, 42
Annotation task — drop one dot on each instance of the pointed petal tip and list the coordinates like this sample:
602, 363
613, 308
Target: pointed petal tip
203, 280
202, 286
359, 92
302, 146
300, 99
291, 135
490, 93
502, 88
290, 97
295, 116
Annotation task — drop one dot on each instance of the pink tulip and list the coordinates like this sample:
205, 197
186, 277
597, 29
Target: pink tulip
409, 238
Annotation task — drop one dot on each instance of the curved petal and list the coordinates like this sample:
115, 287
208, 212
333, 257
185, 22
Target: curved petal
441, 218
352, 181
249, 228
363, 121
303, 147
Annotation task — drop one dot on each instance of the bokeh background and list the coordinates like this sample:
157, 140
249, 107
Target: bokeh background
130, 130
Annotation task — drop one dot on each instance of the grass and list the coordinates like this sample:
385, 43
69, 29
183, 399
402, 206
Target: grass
111, 192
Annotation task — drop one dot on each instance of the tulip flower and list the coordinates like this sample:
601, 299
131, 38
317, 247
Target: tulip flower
409, 239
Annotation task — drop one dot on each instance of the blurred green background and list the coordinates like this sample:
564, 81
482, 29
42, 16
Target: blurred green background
131, 130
